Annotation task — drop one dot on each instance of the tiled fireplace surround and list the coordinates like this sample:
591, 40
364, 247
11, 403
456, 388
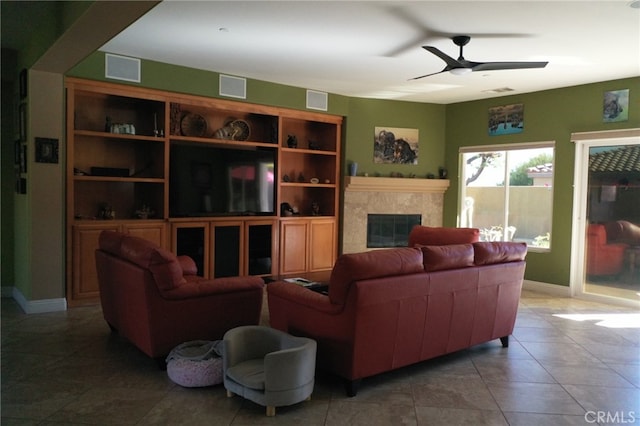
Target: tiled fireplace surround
379, 195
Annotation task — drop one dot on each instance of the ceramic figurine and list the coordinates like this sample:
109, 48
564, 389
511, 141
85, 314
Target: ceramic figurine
292, 141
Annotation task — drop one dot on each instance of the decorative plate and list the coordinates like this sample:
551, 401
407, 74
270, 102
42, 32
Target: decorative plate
241, 130
193, 125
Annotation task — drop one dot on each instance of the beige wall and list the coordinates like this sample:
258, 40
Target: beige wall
45, 186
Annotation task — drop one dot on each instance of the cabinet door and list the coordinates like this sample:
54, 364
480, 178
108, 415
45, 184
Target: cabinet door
260, 247
84, 282
293, 246
192, 239
226, 247
154, 232
322, 244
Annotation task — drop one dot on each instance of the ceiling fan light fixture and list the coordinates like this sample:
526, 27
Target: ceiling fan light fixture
460, 71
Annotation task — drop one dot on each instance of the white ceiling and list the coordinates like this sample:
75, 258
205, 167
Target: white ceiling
372, 49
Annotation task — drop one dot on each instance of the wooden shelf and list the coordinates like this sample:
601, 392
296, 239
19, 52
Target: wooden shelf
385, 184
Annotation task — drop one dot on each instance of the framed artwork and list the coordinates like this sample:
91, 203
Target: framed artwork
46, 150
615, 106
394, 145
506, 119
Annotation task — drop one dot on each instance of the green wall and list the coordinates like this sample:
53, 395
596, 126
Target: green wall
366, 114
161, 76
550, 115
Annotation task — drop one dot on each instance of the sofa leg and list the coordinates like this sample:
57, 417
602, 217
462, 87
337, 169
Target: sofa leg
229, 394
505, 341
271, 411
352, 387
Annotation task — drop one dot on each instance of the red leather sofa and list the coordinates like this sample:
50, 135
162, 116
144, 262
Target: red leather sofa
389, 308
603, 258
437, 236
156, 301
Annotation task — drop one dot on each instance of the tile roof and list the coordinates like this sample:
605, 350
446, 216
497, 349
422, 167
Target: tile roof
625, 159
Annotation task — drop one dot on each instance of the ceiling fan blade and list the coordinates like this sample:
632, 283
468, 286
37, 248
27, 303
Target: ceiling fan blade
451, 63
433, 73
494, 66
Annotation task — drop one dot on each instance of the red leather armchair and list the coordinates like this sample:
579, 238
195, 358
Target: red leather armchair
623, 231
156, 301
603, 258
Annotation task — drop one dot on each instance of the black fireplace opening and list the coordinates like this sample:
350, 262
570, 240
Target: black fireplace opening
390, 230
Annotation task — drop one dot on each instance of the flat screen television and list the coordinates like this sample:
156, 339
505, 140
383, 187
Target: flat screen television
213, 180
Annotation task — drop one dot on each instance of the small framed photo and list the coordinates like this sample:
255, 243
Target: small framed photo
23, 158
16, 152
23, 84
22, 121
46, 150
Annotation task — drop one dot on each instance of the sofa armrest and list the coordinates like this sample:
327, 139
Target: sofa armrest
199, 287
189, 267
299, 295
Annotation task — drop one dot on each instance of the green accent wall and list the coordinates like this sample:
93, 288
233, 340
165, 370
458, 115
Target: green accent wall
173, 78
550, 115
367, 114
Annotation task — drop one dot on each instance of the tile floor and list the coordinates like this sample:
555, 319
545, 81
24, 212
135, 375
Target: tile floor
67, 368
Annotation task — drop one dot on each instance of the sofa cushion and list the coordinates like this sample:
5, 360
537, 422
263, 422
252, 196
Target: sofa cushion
452, 256
486, 253
163, 264
437, 236
110, 241
166, 270
372, 264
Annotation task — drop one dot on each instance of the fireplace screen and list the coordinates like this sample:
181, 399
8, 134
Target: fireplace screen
390, 230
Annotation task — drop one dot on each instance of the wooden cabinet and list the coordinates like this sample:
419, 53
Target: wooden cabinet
307, 245
215, 171
227, 248
83, 282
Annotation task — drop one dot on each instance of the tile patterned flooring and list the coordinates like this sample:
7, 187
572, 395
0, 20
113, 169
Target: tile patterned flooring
67, 368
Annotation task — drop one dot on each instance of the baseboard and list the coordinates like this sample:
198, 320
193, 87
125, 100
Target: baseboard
552, 289
38, 306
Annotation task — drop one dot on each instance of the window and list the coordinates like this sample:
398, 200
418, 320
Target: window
506, 191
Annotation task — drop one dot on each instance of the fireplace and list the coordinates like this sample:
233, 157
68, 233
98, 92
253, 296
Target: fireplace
390, 230
364, 196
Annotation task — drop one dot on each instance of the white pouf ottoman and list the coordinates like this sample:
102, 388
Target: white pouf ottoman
196, 364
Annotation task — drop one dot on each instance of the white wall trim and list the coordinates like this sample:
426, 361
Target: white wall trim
39, 306
552, 289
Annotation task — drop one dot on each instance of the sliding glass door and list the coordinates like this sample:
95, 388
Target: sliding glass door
607, 225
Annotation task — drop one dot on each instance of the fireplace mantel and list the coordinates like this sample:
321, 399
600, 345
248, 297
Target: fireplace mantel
389, 184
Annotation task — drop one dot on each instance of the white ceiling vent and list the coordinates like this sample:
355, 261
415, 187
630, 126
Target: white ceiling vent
234, 87
499, 90
317, 100
122, 68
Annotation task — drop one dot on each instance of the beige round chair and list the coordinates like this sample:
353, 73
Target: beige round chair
268, 366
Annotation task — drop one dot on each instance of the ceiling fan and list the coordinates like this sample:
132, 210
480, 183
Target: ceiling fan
462, 66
